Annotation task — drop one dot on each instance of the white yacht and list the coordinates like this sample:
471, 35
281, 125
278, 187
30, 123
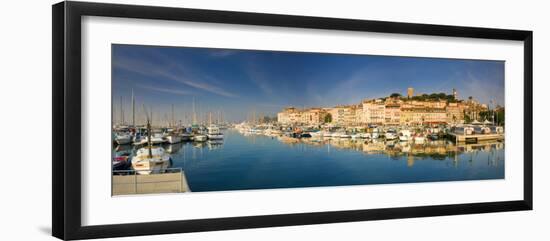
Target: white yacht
213, 133
200, 138
391, 134
364, 135
405, 135
419, 139
342, 135
157, 138
123, 138
173, 138
186, 136
316, 134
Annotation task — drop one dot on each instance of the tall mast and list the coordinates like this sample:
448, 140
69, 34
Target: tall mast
194, 113
121, 112
173, 121
254, 116
113, 113
133, 109
149, 139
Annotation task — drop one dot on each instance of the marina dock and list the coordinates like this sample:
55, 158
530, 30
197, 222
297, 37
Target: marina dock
474, 138
132, 183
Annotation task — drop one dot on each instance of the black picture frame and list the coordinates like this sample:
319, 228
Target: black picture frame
66, 127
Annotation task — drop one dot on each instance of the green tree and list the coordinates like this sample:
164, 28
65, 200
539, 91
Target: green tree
499, 117
328, 118
450, 98
467, 118
395, 95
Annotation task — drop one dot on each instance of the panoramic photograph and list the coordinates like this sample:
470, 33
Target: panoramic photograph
189, 119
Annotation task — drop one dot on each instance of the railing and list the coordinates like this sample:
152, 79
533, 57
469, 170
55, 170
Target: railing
134, 172
126, 182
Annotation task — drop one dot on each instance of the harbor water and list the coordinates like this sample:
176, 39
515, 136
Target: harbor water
248, 161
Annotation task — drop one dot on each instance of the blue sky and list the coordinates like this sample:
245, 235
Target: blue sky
238, 82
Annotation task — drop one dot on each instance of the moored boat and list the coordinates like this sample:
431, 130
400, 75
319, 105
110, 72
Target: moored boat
200, 138
419, 139
405, 135
123, 138
185, 136
391, 134
173, 138
213, 133
150, 159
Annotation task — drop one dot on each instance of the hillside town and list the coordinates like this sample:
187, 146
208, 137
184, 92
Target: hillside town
398, 110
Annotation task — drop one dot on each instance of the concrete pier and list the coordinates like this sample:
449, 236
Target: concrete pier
476, 137
149, 184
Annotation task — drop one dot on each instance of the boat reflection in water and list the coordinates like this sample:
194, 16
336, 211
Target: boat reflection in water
395, 149
255, 161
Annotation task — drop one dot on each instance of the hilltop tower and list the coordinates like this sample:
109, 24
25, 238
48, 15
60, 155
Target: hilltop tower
410, 92
455, 94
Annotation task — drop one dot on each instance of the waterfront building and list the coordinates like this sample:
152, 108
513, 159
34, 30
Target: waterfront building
351, 113
388, 111
414, 115
313, 116
289, 115
392, 111
374, 111
337, 114
455, 113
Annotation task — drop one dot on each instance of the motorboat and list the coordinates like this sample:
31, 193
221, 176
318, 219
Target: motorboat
405, 135
157, 138
139, 139
433, 136
123, 138
172, 138
391, 134
465, 130
185, 136
200, 138
121, 162
419, 139
213, 133
341, 135
316, 134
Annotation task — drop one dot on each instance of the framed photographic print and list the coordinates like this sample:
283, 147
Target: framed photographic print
169, 120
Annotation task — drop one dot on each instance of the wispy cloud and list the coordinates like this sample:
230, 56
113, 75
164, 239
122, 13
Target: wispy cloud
166, 90
258, 78
173, 72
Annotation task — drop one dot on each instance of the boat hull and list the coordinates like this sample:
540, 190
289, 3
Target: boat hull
173, 139
215, 136
123, 140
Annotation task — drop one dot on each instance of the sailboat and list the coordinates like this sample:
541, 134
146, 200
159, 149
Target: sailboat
150, 159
